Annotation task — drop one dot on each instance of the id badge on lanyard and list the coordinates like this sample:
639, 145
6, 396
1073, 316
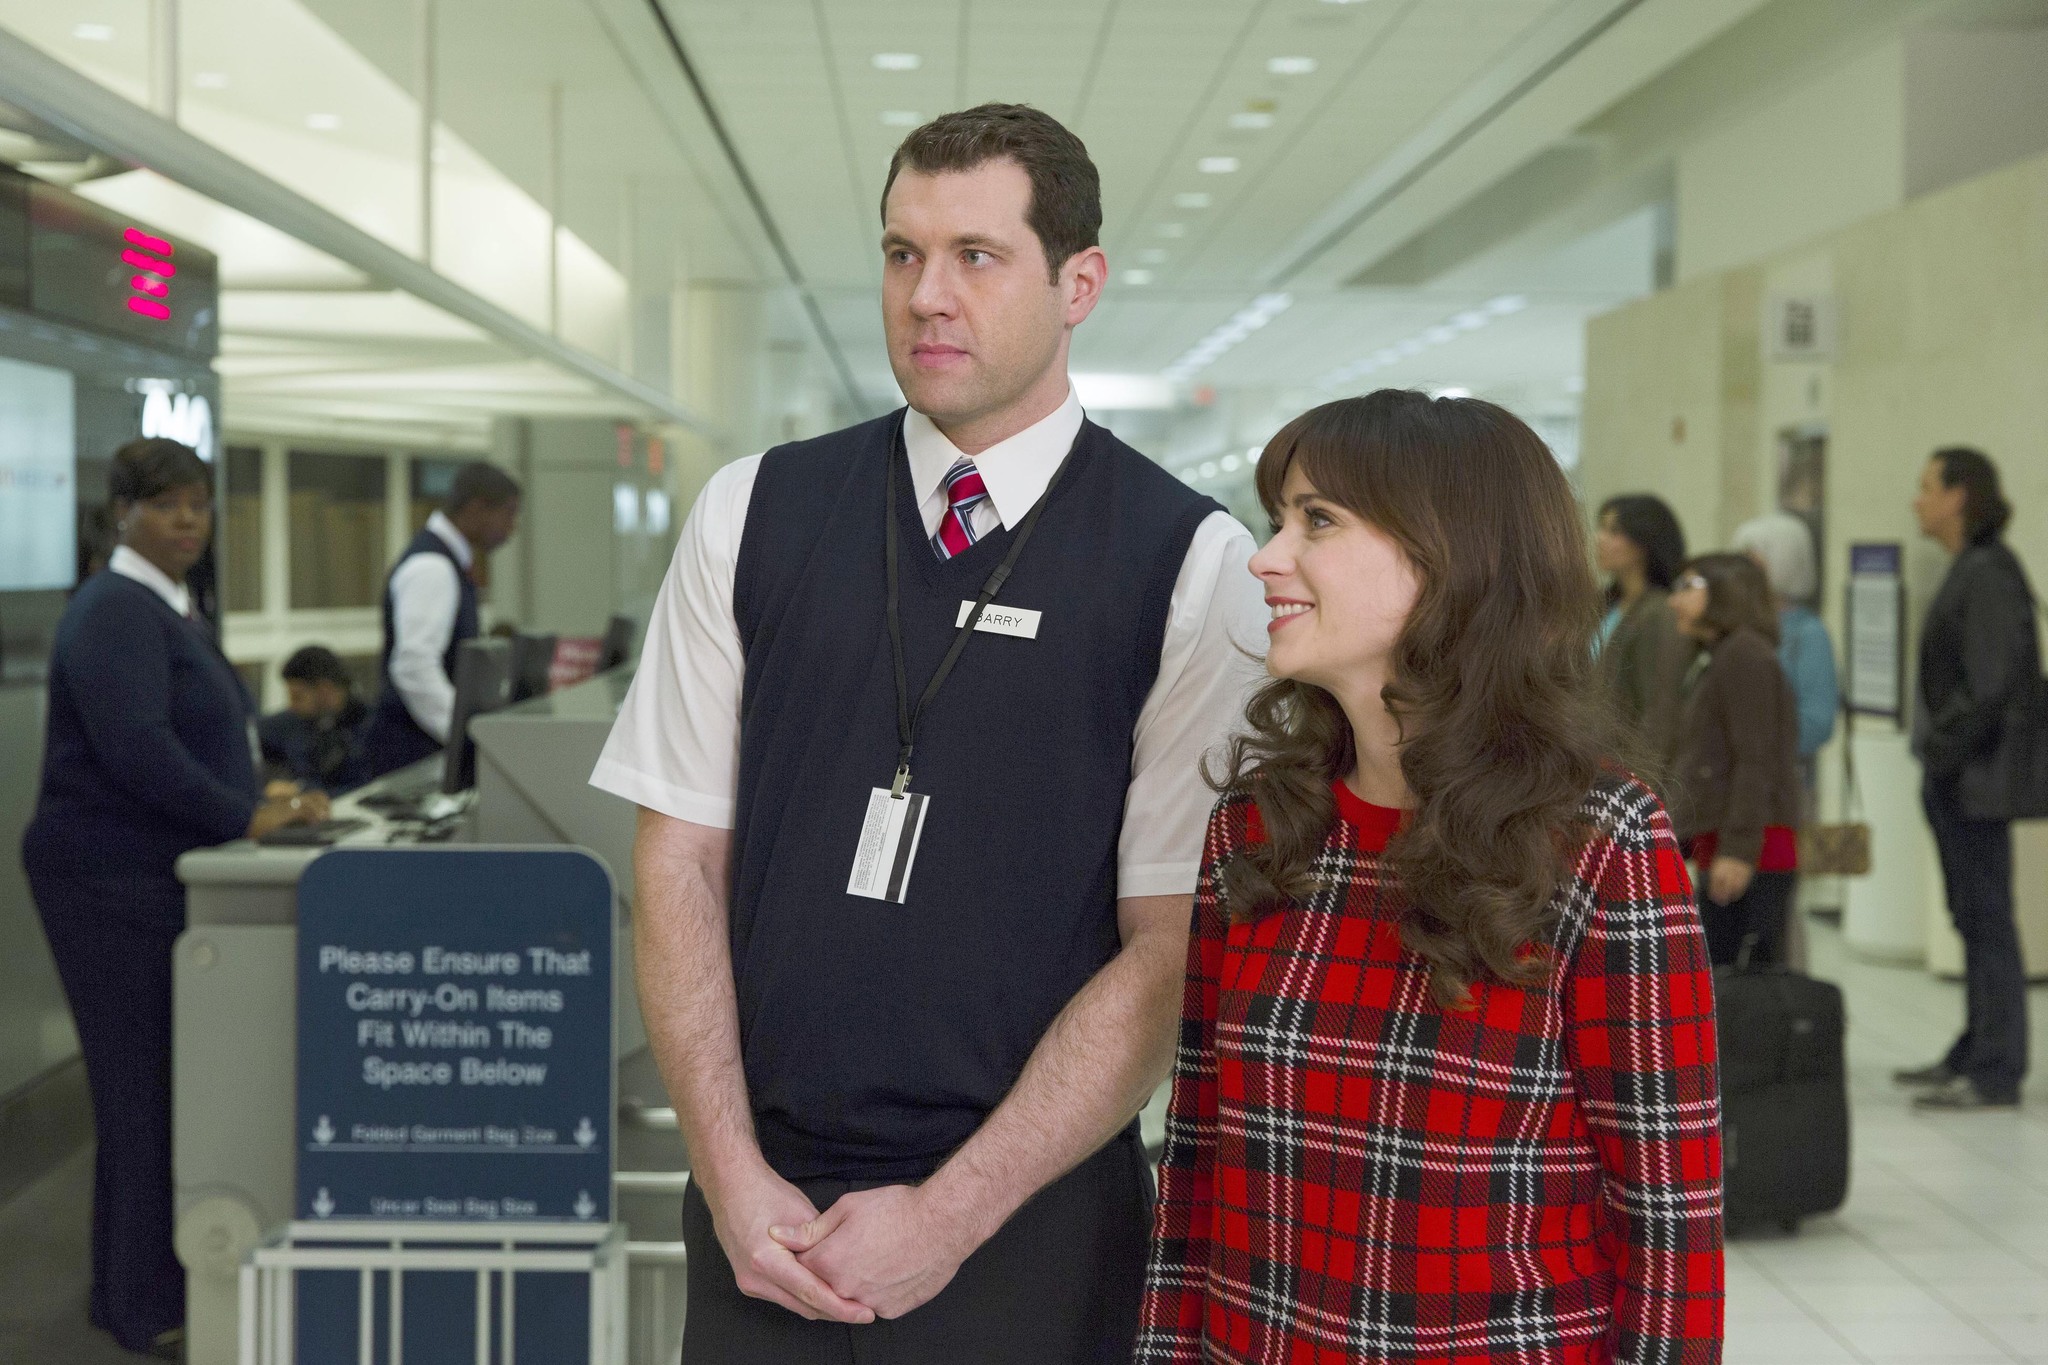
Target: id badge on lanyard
894, 822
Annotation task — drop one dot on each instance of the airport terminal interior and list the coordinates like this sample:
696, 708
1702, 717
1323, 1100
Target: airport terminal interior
1758, 258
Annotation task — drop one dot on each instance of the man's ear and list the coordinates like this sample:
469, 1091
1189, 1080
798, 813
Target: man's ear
1082, 280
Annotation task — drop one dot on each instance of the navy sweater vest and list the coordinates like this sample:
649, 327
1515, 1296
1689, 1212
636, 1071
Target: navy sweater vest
393, 738
877, 1037
147, 749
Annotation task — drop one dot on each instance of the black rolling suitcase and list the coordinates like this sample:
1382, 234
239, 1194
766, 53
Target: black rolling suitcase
1784, 1096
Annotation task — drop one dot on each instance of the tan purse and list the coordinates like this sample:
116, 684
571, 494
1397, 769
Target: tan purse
1842, 849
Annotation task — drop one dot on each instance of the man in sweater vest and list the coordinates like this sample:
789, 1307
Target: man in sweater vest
430, 608
915, 736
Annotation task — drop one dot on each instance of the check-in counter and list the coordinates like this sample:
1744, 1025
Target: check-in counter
234, 978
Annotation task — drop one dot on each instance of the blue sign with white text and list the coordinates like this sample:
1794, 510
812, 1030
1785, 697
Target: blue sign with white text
455, 1036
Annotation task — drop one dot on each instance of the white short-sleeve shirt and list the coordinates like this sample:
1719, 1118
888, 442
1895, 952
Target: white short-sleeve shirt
675, 747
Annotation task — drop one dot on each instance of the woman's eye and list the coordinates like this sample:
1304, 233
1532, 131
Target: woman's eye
1318, 519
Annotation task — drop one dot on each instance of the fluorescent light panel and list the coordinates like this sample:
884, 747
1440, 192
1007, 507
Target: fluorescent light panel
1234, 330
1470, 320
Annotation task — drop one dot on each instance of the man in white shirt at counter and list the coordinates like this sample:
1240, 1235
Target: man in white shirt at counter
430, 608
908, 1095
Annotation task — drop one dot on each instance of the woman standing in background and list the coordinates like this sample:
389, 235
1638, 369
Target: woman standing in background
1735, 788
1639, 545
149, 752
1782, 547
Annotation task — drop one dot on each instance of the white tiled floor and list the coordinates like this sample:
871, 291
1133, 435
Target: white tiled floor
1941, 1253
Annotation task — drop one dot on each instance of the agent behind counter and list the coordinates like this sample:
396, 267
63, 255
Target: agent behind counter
430, 608
149, 752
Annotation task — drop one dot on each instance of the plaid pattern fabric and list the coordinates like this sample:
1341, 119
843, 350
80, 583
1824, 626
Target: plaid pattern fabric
1354, 1174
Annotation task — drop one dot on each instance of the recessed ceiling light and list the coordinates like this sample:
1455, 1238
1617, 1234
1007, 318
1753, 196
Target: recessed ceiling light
1153, 255
1290, 66
1196, 200
1231, 464
1216, 165
1137, 277
323, 123
1173, 229
1208, 469
1251, 119
94, 33
210, 80
897, 61
900, 118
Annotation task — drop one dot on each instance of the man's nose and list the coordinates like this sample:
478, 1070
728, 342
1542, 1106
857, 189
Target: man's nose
934, 293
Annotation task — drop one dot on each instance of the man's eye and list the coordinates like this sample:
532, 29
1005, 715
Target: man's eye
976, 257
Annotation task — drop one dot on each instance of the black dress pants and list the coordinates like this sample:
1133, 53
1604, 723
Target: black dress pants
1976, 872
1058, 1285
112, 940
1763, 910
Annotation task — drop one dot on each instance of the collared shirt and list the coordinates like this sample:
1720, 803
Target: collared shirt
130, 564
675, 748
425, 593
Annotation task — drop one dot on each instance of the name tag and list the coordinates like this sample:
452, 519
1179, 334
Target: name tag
1017, 621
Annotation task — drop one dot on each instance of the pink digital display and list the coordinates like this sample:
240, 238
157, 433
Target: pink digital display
149, 255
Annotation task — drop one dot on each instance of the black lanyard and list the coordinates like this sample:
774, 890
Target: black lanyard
907, 716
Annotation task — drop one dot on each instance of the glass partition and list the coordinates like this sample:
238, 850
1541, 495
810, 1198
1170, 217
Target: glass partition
337, 529
240, 530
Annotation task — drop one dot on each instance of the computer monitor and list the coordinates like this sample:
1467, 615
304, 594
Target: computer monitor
618, 643
483, 683
533, 656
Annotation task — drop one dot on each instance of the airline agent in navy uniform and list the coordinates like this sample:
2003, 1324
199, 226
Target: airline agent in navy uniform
430, 608
149, 752
907, 1035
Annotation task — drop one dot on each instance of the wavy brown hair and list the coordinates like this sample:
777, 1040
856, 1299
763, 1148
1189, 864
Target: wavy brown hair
1503, 728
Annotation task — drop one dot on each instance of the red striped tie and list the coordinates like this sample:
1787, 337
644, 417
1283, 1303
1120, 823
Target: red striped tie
964, 490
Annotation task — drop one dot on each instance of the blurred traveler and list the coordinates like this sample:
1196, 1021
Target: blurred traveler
1639, 545
317, 741
1979, 657
430, 608
1736, 793
1438, 930
951, 1078
1782, 546
149, 753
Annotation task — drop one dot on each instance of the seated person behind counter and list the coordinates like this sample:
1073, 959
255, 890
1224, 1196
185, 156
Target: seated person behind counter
317, 741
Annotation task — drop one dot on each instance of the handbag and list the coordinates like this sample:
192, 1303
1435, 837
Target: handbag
1841, 849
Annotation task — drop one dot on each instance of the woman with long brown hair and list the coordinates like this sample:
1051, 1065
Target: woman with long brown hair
1446, 1081
1737, 797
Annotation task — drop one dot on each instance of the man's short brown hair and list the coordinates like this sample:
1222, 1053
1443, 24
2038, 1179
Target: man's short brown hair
1066, 192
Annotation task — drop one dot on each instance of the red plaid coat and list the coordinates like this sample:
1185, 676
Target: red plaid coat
1354, 1174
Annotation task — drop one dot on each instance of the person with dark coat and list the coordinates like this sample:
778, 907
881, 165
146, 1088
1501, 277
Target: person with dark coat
1980, 665
1736, 790
149, 752
317, 740
1643, 657
430, 608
